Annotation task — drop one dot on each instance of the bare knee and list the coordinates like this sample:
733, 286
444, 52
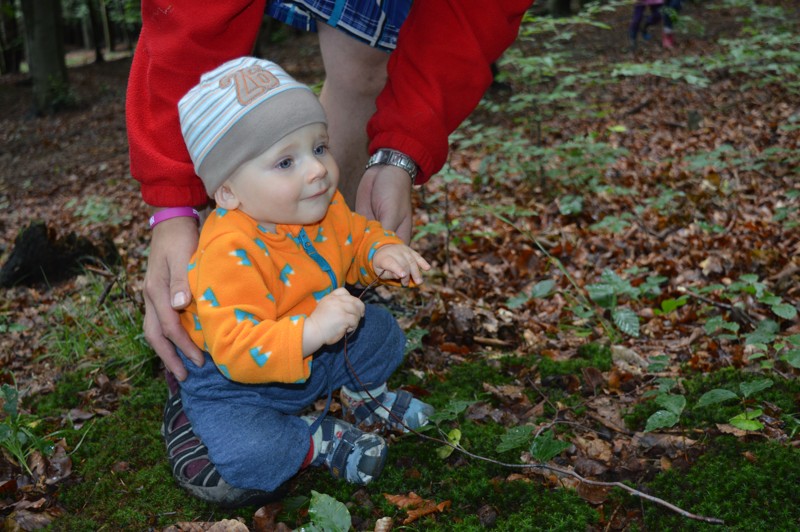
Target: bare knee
352, 68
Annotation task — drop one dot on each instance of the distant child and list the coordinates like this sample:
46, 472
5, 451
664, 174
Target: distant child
638, 14
269, 307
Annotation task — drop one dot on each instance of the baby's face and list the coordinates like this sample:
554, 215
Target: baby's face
290, 183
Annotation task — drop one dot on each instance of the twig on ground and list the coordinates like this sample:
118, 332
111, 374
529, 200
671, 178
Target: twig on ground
739, 313
492, 342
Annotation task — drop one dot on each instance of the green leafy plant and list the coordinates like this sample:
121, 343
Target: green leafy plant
608, 291
672, 406
676, 70
327, 514
604, 295
764, 339
670, 305
17, 434
788, 212
442, 223
748, 418
9, 327
540, 290
580, 162
543, 446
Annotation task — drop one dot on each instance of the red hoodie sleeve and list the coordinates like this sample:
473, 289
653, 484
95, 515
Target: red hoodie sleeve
438, 74
180, 40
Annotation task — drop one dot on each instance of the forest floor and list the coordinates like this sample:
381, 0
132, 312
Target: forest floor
602, 263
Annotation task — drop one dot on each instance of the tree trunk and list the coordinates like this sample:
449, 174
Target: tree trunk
48, 69
560, 8
11, 49
97, 31
107, 34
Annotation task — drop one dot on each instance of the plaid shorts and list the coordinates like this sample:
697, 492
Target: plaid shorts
373, 22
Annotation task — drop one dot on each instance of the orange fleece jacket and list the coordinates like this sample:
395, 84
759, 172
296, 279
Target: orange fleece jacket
253, 289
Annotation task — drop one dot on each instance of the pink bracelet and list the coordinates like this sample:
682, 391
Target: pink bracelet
173, 212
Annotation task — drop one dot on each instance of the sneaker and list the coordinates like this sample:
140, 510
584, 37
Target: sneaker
188, 459
668, 40
397, 410
350, 454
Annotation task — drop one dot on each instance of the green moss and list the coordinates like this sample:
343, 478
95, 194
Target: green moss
64, 397
468, 484
121, 469
750, 485
121, 477
464, 382
590, 355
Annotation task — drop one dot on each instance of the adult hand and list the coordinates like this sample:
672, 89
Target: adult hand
385, 195
166, 290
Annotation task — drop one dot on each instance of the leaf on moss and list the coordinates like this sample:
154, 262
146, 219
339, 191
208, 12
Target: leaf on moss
416, 506
661, 420
717, 395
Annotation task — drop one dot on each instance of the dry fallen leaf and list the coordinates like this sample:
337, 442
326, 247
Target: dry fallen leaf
384, 524
593, 494
226, 525
627, 358
265, 517
25, 520
416, 506
594, 448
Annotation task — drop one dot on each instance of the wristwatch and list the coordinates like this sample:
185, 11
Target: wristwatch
394, 158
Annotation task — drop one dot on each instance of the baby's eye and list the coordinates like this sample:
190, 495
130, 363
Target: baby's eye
284, 164
320, 150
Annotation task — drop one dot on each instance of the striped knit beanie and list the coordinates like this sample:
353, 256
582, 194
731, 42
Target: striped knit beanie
238, 111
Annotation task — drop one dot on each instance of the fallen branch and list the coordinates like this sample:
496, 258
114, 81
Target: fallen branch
492, 342
737, 312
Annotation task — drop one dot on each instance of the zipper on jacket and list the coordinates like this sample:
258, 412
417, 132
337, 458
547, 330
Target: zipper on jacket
308, 247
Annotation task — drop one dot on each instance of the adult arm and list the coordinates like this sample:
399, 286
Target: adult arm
437, 75
179, 41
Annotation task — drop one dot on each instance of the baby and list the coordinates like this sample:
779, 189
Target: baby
270, 309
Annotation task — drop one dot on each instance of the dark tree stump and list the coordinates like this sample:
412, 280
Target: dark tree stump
40, 257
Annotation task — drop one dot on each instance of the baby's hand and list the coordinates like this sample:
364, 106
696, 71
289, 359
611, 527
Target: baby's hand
337, 314
398, 261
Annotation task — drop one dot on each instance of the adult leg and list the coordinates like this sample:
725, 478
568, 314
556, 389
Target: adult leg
355, 73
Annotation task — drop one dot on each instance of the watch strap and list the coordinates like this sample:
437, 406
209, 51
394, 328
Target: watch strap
394, 158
